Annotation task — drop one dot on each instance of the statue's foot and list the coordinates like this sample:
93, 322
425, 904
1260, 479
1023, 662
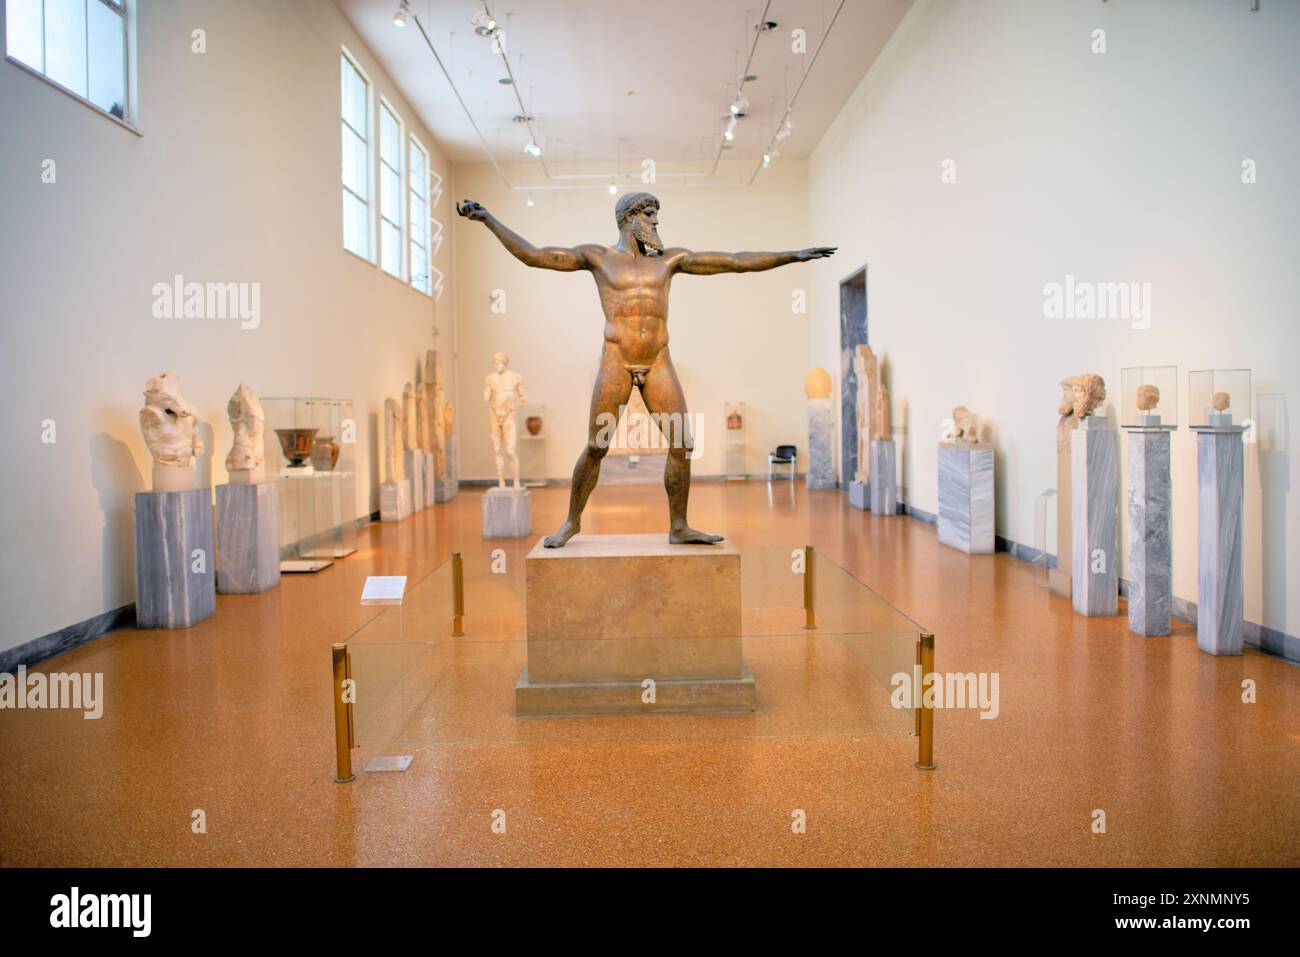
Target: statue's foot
685, 535
566, 532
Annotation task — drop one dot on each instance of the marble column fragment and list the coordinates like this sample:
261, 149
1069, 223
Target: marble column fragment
1150, 556
175, 563
966, 498
821, 470
1094, 494
884, 477
248, 555
1220, 480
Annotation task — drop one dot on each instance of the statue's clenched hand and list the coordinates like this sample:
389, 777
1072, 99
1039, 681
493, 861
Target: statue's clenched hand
472, 210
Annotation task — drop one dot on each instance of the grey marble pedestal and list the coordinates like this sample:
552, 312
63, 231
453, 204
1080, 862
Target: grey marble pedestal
507, 513
884, 477
414, 460
1220, 486
175, 562
430, 479
860, 495
1094, 496
445, 489
395, 501
248, 538
821, 470
966, 497
1150, 557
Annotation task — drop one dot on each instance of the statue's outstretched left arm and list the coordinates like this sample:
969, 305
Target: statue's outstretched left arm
710, 264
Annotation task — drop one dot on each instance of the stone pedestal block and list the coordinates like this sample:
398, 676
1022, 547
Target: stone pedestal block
1150, 557
821, 470
608, 612
1220, 486
1094, 494
507, 513
248, 538
966, 497
884, 477
860, 495
395, 501
175, 562
414, 460
445, 489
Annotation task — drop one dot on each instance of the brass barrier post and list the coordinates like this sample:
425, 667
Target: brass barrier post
924, 712
457, 595
810, 613
344, 734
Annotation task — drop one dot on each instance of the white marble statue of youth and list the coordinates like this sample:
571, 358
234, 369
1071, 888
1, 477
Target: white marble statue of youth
503, 391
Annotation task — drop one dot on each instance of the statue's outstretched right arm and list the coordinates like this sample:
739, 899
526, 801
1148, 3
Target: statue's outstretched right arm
560, 258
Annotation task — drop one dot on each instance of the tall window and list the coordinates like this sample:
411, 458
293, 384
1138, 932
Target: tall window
356, 159
390, 190
81, 45
421, 231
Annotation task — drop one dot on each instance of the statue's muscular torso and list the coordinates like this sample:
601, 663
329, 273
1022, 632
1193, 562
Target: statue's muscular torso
634, 294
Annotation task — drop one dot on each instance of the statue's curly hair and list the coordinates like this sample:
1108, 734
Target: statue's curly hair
629, 204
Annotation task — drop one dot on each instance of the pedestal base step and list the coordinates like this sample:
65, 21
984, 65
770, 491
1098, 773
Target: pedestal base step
671, 696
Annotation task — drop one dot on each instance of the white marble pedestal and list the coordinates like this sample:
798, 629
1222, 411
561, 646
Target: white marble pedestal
175, 562
445, 488
395, 501
414, 460
821, 470
1150, 556
1094, 496
884, 477
966, 497
507, 513
860, 495
1220, 486
248, 538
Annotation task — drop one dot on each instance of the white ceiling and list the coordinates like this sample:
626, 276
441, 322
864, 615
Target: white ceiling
618, 80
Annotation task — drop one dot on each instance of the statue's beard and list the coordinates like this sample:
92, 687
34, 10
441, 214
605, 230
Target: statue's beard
648, 237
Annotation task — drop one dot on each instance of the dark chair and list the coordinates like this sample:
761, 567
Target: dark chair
784, 455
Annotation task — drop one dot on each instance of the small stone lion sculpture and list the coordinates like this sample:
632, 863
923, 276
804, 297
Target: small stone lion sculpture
1083, 394
965, 425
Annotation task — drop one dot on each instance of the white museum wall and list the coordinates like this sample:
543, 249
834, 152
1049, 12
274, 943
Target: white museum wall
733, 337
1117, 167
236, 178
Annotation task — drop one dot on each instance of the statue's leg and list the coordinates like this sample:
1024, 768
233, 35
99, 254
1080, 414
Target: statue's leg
494, 429
663, 397
613, 386
510, 442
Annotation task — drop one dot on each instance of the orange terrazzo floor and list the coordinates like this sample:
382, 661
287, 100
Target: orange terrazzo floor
233, 718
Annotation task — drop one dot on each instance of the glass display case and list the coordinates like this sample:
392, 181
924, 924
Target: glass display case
733, 442
532, 423
1149, 397
311, 447
1218, 397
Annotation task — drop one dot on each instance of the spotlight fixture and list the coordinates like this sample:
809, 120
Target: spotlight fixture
749, 78
740, 107
505, 81
532, 149
612, 188
729, 133
484, 25
787, 128
530, 200
403, 11
766, 26
770, 157
520, 118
